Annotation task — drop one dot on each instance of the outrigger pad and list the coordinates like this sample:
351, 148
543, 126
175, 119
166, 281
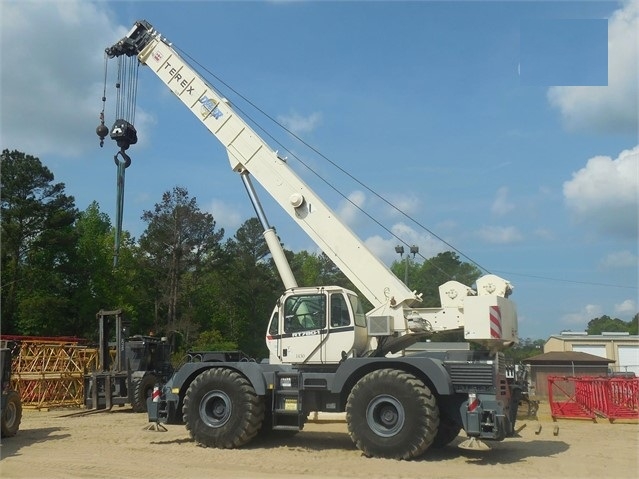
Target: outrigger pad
474, 444
156, 426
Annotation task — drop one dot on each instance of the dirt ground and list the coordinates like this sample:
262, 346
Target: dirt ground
116, 445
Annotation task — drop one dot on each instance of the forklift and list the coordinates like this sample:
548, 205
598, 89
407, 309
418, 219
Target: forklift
128, 376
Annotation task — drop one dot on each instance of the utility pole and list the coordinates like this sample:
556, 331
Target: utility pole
399, 249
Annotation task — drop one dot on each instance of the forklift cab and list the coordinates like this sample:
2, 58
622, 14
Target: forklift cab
148, 353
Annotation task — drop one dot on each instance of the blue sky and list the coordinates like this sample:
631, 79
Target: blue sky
509, 129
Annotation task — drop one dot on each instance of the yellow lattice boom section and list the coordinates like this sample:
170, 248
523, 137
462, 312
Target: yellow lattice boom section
49, 372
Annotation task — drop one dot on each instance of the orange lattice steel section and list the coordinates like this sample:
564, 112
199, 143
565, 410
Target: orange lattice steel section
591, 397
49, 372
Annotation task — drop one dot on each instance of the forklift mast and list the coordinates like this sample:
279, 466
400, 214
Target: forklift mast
108, 322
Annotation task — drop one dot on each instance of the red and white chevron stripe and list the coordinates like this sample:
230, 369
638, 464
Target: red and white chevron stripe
495, 322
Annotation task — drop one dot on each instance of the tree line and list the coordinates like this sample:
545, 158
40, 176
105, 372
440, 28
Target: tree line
606, 324
183, 278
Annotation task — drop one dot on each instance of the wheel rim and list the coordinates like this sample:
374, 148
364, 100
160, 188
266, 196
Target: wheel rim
385, 416
215, 408
10, 414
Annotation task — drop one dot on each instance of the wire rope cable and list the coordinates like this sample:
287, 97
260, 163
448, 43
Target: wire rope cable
386, 201
335, 165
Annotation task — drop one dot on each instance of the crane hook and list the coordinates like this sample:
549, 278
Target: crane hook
125, 157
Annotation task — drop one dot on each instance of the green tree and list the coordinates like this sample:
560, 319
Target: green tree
252, 288
178, 238
38, 241
249, 242
306, 267
213, 341
312, 269
427, 277
97, 284
634, 325
607, 324
526, 348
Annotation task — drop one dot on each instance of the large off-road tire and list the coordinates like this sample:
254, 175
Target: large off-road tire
221, 409
11, 415
446, 432
142, 390
392, 414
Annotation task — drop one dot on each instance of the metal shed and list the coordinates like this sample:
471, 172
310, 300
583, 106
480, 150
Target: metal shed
568, 363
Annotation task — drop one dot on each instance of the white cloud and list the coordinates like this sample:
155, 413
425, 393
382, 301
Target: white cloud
544, 234
627, 307
620, 259
605, 192
611, 108
53, 64
500, 234
502, 203
384, 248
299, 124
226, 216
581, 318
406, 203
349, 208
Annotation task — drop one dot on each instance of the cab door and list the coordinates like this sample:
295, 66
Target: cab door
303, 329
274, 338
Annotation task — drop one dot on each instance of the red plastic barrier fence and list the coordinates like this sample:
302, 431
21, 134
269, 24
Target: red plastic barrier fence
589, 397
562, 396
624, 394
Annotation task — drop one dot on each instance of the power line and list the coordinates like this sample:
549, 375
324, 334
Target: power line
335, 165
560, 280
363, 185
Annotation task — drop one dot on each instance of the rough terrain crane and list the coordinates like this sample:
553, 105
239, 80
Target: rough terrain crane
326, 354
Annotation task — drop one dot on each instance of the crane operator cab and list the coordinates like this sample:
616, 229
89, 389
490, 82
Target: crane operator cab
316, 326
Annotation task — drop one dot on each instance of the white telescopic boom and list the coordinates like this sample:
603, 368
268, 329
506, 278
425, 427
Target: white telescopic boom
247, 151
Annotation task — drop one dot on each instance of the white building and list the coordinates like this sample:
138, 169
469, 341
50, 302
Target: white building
622, 348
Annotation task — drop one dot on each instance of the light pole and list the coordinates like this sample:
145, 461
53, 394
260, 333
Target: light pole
399, 249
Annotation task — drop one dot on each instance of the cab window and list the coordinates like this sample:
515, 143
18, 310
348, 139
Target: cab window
339, 311
274, 326
358, 310
305, 312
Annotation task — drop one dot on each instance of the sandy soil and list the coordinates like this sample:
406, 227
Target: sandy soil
116, 445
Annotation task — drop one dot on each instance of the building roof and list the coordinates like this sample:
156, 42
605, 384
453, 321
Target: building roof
561, 357
606, 336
